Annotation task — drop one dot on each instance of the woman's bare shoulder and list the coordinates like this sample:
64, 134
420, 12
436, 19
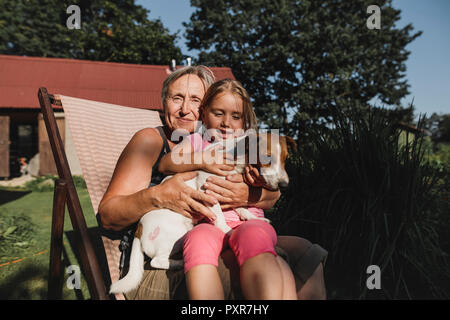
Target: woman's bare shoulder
146, 138
134, 167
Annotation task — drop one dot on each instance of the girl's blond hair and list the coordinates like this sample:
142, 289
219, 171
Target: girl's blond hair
234, 87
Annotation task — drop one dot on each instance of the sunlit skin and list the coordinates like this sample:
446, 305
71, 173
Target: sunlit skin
225, 115
183, 102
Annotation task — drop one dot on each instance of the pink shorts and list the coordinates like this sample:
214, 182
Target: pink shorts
204, 243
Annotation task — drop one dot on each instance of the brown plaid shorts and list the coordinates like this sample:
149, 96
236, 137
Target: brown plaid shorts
160, 284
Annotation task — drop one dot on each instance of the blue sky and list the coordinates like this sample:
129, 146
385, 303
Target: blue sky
428, 66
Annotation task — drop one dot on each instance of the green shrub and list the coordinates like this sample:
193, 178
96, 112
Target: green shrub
46, 183
441, 155
39, 183
370, 200
79, 182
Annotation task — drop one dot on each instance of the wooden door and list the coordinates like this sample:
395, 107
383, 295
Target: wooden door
4, 146
47, 164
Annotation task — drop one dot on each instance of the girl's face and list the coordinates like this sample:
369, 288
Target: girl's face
225, 115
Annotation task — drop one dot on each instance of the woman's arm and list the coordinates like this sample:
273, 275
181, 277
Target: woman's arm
128, 197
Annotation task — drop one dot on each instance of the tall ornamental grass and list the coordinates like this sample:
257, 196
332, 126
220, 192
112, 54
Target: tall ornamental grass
370, 200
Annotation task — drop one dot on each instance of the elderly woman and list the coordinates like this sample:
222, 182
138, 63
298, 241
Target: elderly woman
135, 189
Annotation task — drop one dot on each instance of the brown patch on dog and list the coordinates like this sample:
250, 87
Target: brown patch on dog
291, 142
284, 150
138, 232
268, 137
286, 141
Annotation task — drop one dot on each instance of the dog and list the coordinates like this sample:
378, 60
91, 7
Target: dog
160, 232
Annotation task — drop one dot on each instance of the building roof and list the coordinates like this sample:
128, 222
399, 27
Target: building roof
117, 83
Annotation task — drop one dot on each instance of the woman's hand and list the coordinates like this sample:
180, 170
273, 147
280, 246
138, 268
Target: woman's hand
231, 192
234, 192
174, 194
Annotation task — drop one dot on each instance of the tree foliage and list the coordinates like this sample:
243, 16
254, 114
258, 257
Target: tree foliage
439, 127
111, 30
299, 58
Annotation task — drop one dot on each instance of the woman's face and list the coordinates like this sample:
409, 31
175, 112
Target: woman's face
225, 114
183, 101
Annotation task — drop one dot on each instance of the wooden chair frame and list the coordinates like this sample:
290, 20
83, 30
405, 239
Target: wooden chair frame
65, 193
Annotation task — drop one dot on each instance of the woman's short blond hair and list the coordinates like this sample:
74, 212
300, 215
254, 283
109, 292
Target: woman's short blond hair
204, 73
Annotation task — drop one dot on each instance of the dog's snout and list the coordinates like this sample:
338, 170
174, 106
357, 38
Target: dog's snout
283, 184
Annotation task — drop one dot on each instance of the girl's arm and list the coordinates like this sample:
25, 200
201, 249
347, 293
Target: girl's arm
183, 159
180, 159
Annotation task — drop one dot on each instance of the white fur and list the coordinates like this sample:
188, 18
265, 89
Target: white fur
170, 229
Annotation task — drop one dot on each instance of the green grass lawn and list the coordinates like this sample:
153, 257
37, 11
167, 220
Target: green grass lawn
24, 252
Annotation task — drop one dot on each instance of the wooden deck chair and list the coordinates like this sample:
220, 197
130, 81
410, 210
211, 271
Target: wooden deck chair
100, 131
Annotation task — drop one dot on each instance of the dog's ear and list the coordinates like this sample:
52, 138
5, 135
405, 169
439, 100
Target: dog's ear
292, 144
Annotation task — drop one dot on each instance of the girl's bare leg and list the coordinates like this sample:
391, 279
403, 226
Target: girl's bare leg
289, 289
203, 283
261, 278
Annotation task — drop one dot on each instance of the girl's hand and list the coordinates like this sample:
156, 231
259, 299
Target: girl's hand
252, 177
232, 192
218, 169
217, 161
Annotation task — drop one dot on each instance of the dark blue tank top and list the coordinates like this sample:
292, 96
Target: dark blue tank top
157, 176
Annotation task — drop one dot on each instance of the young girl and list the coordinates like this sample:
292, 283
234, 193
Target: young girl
227, 110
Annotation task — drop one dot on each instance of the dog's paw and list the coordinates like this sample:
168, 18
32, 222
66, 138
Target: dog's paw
160, 263
263, 219
114, 289
246, 215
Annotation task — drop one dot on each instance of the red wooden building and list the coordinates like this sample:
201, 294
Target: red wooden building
22, 131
